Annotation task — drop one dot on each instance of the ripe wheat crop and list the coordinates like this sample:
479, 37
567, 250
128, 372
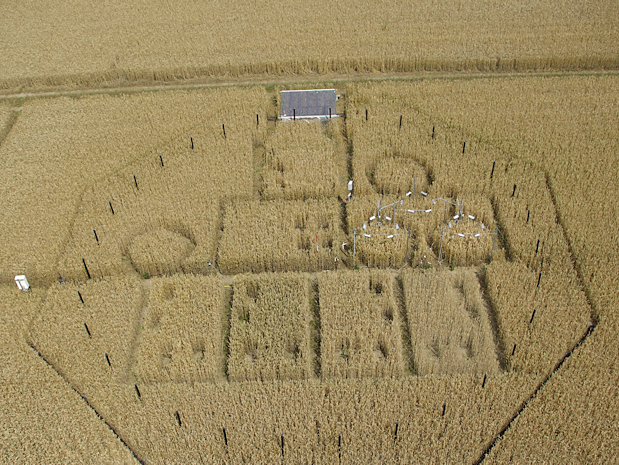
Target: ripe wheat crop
538, 324
83, 153
39, 412
89, 342
183, 331
270, 328
187, 40
550, 194
566, 126
281, 236
497, 189
354, 419
449, 324
304, 160
360, 325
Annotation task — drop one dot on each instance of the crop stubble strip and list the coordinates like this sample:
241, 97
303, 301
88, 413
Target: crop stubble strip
132, 354
88, 404
400, 297
316, 336
499, 343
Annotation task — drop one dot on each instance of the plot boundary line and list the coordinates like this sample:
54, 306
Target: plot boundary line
88, 404
539, 387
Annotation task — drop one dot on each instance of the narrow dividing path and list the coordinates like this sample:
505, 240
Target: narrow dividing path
265, 80
534, 395
138, 459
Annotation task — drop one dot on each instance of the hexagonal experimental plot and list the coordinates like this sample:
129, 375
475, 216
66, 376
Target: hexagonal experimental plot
449, 323
270, 328
360, 325
183, 330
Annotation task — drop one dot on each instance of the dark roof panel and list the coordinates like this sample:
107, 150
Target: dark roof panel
314, 103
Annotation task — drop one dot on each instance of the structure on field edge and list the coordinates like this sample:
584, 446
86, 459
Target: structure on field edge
311, 103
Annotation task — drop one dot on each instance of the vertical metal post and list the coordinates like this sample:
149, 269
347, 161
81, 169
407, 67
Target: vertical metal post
378, 211
408, 237
354, 246
440, 250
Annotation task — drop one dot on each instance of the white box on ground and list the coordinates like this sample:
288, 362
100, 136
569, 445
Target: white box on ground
350, 186
22, 282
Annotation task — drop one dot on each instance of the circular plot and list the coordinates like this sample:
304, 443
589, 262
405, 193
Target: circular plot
159, 252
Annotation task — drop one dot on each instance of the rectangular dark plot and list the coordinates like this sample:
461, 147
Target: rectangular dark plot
314, 103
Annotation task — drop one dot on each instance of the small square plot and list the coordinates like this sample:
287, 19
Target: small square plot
183, 332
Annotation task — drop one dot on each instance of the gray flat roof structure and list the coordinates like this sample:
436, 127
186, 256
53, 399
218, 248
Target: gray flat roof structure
311, 103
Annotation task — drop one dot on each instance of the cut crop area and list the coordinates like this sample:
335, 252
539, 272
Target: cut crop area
182, 339
361, 334
303, 160
270, 328
281, 236
90, 341
449, 324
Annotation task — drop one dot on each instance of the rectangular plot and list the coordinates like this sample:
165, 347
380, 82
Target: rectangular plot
270, 328
281, 236
360, 325
448, 322
304, 160
183, 334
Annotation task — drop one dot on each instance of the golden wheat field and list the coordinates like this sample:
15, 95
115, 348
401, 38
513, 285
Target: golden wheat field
428, 276
90, 43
